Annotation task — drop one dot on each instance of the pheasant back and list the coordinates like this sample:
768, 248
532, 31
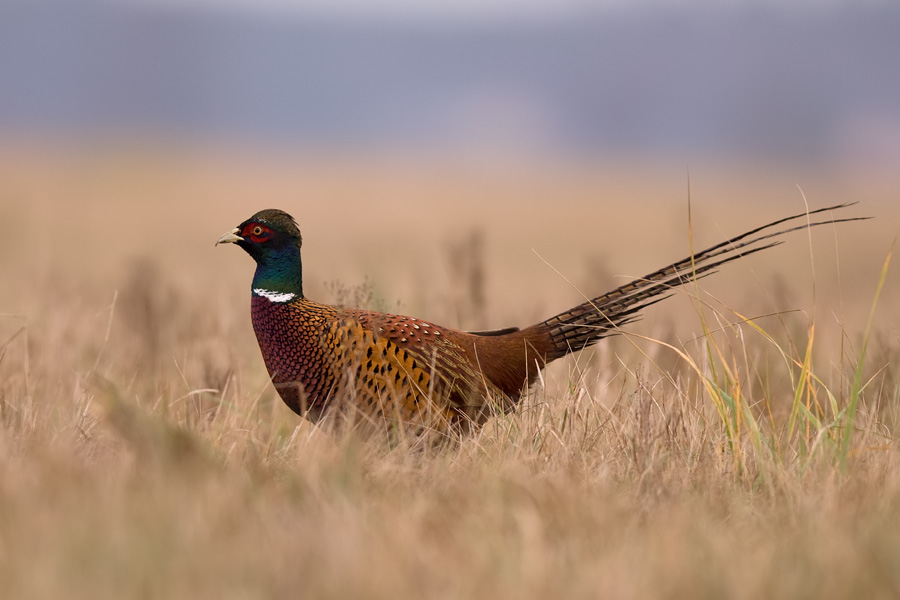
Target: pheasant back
374, 367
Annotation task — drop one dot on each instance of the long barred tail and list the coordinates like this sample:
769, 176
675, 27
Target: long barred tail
601, 317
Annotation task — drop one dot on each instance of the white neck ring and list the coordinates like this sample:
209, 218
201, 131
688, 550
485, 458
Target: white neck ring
274, 296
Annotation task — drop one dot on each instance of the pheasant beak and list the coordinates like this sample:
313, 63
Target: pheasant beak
231, 237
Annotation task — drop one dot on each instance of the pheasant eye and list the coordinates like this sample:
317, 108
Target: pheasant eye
257, 232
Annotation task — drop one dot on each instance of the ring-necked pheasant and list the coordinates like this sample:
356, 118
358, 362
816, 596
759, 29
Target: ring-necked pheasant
396, 369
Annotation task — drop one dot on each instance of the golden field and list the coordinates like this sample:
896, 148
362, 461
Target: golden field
741, 449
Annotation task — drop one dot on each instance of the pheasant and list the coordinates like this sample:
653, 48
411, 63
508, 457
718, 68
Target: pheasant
392, 369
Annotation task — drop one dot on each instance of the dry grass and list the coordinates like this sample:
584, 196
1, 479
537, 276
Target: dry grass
142, 453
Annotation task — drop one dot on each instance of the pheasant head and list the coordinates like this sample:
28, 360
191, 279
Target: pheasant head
271, 237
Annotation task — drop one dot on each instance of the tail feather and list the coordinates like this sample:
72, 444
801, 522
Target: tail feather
602, 316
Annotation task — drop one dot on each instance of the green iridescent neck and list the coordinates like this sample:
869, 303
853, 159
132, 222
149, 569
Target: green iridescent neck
280, 272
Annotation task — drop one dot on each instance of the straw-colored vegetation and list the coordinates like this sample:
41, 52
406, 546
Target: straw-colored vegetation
739, 444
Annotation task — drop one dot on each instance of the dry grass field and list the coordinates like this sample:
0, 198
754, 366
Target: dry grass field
741, 443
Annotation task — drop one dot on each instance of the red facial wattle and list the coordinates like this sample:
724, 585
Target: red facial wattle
256, 232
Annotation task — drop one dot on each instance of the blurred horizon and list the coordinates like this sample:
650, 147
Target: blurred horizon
803, 83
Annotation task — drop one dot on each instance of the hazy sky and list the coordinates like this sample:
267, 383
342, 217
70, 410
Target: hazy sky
766, 79
489, 9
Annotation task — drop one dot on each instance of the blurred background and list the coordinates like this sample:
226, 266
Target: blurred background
807, 81
442, 151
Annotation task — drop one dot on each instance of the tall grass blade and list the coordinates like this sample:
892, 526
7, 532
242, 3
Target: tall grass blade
850, 418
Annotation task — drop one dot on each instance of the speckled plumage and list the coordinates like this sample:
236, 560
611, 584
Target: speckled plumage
384, 368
